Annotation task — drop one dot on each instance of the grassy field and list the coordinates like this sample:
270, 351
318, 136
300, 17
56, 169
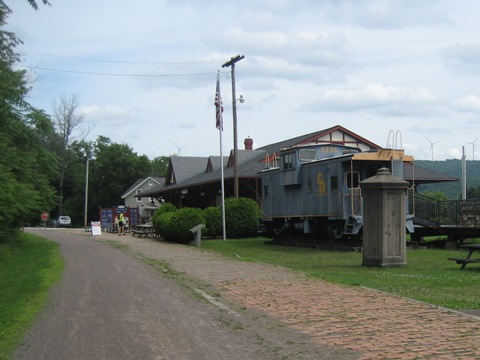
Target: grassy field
27, 272
428, 276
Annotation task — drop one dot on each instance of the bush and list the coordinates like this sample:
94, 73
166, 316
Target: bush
175, 225
213, 221
156, 218
241, 217
164, 227
168, 207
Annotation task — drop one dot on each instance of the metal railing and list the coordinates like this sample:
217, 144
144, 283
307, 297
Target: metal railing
460, 213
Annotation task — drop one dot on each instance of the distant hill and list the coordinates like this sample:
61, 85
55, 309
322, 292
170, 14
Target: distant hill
452, 168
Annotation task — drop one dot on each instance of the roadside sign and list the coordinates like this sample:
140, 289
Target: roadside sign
96, 228
45, 215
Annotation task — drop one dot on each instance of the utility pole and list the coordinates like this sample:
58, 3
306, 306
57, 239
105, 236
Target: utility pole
231, 63
85, 218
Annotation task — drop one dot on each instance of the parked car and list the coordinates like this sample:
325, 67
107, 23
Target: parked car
54, 223
64, 221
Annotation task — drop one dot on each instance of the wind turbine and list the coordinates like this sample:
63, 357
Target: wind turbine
474, 147
179, 148
431, 146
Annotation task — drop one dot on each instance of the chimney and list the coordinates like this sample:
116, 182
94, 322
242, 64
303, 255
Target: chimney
248, 143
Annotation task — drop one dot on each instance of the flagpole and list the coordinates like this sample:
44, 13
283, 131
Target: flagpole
219, 124
224, 232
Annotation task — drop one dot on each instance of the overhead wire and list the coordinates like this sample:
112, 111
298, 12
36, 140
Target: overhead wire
115, 74
119, 62
78, 58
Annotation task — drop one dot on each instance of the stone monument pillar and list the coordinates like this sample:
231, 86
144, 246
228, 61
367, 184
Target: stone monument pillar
384, 224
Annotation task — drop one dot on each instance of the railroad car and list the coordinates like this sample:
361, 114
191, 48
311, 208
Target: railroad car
315, 189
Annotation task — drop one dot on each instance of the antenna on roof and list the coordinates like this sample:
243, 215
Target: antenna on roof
179, 148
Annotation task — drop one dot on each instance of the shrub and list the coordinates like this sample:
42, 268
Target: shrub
241, 217
213, 221
182, 221
156, 218
163, 225
175, 225
168, 207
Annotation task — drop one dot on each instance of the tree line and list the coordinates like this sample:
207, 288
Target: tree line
44, 156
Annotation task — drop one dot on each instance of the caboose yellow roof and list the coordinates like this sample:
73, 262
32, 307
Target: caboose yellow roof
383, 155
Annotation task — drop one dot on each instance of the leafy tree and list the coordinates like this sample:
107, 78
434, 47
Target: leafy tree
159, 166
34, 3
114, 169
26, 164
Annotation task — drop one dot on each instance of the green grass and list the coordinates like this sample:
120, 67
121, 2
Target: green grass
428, 276
27, 272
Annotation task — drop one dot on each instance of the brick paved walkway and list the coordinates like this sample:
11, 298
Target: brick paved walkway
378, 325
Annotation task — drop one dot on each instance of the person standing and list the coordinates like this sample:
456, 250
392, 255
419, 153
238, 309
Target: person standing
121, 224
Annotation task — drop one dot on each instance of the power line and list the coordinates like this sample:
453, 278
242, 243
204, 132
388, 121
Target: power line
85, 59
115, 74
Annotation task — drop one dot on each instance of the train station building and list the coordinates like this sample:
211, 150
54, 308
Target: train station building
196, 181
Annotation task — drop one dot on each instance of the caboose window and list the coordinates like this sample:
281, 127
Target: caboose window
265, 190
289, 161
306, 154
352, 179
333, 182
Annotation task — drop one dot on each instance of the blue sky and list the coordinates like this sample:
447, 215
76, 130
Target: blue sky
144, 71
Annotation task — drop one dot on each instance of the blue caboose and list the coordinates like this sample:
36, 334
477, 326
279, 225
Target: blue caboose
315, 189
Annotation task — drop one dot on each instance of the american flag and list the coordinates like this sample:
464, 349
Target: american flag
218, 106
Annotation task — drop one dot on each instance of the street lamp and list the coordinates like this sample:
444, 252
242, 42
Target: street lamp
231, 63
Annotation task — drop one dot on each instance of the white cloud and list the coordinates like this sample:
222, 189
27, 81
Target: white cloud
371, 66
378, 98
455, 153
469, 103
95, 111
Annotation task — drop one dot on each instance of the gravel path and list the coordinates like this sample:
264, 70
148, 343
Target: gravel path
112, 304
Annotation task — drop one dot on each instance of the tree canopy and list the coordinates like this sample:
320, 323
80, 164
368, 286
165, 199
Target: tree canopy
43, 167
26, 164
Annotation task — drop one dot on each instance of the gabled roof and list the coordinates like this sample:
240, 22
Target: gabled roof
160, 181
181, 168
214, 163
336, 134
250, 162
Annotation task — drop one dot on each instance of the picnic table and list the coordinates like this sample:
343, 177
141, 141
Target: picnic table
113, 228
468, 259
143, 230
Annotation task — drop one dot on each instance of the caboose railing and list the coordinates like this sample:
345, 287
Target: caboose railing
460, 213
352, 202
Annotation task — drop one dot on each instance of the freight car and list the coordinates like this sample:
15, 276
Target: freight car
315, 189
